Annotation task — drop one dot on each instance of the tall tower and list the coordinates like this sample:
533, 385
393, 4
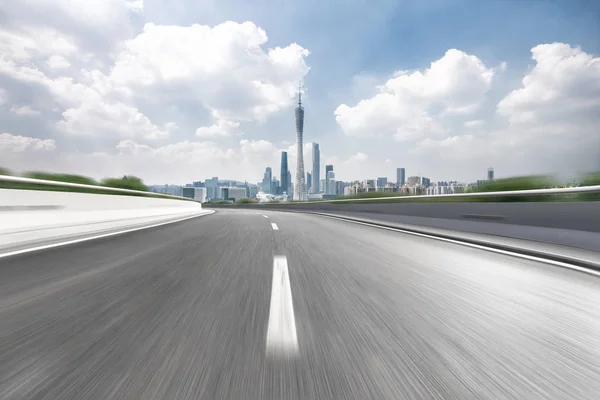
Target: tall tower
300, 186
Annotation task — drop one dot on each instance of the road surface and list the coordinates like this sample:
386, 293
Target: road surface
183, 311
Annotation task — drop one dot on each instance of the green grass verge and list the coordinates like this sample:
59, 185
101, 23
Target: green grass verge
56, 188
126, 182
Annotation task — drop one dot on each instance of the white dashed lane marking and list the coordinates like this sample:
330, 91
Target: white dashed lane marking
281, 329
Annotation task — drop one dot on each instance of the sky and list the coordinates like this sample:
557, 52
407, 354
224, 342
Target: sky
182, 90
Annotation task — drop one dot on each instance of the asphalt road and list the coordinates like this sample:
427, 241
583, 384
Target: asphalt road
580, 216
182, 312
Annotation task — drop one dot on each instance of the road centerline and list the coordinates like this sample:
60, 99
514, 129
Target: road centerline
281, 329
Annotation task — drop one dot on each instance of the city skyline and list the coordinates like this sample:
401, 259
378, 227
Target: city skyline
215, 189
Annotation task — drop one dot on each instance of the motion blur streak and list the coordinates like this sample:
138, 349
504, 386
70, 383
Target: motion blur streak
181, 312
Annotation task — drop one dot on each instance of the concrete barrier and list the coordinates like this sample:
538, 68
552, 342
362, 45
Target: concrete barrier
30, 218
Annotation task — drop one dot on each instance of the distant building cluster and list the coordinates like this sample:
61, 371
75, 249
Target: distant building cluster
210, 190
310, 185
273, 189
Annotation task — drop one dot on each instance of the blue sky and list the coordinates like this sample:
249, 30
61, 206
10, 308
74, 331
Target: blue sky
355, 50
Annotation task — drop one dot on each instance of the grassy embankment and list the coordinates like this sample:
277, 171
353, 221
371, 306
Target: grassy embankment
126, 182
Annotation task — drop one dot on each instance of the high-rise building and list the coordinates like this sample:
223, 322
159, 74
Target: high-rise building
328, 169
490, 174
316, 168
300, 187
290, 188
400, 176
284, 172
196, 193
414, 180
330, 182
212, 186
252, 191
339, 188
308, 182
267, 181
381, 182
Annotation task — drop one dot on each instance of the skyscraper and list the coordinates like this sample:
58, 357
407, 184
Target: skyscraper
308, 182
284, 173
328, 168
316, 168
267, 180
400, 176
490, 174
300, 187
330, 182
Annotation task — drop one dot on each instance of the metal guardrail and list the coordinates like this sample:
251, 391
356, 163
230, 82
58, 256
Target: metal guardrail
529, 192
9, 178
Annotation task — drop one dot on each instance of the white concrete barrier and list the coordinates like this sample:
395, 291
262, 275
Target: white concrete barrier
30, 218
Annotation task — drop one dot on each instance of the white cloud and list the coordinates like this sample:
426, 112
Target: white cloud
410, 105
24, 111
19, 144
220, 128
57, 62
88, 109
99, 118
136, 5
554, 115
564, 83
28, 42
98, 14
187, 150
358, 157
181, 161
476, 123
548, 125
223, 67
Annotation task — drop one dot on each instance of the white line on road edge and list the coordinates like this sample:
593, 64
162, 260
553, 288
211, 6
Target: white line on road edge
274, 226
281, 330
476, 246
85, 239
266, 216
